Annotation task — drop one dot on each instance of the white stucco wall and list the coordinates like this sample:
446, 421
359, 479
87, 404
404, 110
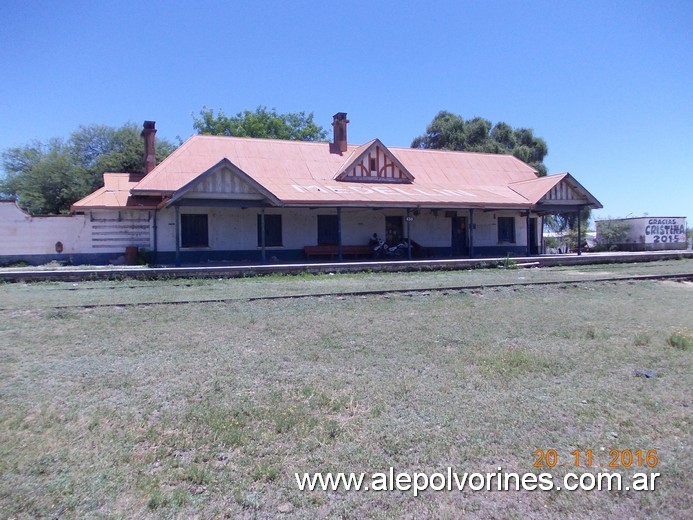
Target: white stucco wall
657, 230
649, 233
230, 229
486, 232
22, 234
236, 228
98, 232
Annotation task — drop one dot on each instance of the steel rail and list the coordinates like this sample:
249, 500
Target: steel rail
379, 292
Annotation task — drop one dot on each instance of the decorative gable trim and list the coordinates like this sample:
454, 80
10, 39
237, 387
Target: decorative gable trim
563, 192
226, 181
555, 191
373, 162
569, 191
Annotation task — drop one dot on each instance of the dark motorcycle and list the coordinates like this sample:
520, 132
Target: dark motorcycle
383, 250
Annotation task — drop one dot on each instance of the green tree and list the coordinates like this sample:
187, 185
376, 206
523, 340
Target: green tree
46, 178
611, 233
449, 131
262, 123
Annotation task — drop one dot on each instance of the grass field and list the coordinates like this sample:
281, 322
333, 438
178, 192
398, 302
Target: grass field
210, 408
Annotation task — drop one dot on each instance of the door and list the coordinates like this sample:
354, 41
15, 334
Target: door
328, 230
459, 236
394, 230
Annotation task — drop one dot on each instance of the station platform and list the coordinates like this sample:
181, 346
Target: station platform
76, 273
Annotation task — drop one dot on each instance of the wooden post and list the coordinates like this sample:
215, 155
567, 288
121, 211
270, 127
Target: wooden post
408, 233
529, 247
542, 250
471, 232
155, 249
262, 236
579, 237
177, 236
339, 234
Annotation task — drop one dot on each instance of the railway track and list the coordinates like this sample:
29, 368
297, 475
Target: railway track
678, 277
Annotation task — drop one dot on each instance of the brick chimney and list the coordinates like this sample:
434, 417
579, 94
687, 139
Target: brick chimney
148, 133
339, 124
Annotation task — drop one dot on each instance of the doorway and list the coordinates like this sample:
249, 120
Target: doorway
394, 230
328, 230
459, 236
533, 242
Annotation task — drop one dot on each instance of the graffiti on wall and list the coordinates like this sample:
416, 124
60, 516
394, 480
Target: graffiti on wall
665, 230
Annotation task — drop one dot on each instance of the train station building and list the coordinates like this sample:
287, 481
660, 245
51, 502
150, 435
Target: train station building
228, 199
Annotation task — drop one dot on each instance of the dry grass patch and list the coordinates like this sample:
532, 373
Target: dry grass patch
210, 409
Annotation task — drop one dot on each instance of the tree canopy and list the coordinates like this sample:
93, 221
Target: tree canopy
449, 131
46, 178
262, 123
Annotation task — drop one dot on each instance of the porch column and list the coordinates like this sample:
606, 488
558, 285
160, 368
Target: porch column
529, 247
471, 232
408, 219
177, 227
155, 249
579, 239
339, 234
263, 252
542, 250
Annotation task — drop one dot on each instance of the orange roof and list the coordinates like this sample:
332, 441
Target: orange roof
535, 189
116, 194
540, 190
302, 173
299, 173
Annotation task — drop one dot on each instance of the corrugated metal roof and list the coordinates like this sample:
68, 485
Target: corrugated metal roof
298, 173
537, 189
116, 194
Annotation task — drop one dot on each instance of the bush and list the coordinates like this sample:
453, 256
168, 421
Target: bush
681, 339
610, 233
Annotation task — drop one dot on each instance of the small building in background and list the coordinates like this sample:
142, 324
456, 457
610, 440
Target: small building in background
642, 233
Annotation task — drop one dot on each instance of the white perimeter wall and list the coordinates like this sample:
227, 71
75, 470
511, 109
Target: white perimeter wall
22, 234
99, 232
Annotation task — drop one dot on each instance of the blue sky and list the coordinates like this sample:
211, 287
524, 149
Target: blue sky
608, 84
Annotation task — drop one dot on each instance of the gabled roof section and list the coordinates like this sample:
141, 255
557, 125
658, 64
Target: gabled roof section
115, 194
224, 180
264, 160
373, 162
230, 170
555, 190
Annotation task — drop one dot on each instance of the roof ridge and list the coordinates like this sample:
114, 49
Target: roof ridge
551, 176
438, 150
264, 139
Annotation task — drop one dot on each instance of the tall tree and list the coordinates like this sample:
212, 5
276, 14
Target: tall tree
449, 131
46, 178
262, 123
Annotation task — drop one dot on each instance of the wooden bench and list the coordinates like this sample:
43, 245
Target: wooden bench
332, 251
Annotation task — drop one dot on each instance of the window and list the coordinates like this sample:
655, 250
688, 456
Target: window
373, 165
506, 229
394, 230
273, 230
194, 231
327, 230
